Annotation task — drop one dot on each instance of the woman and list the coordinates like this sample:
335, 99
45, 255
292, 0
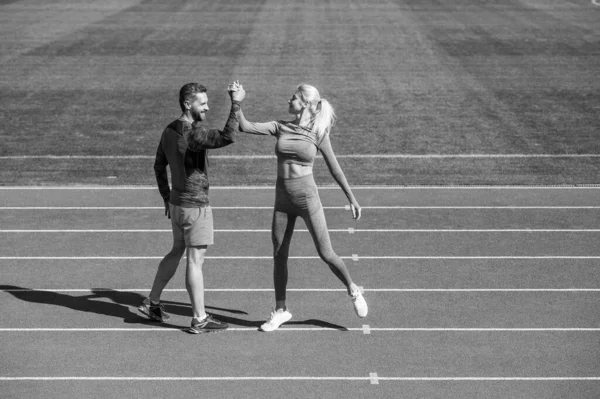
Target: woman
296, 191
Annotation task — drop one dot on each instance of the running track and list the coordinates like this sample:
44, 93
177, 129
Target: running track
474, 292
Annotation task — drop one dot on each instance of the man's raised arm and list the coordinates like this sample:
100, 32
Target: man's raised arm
199, 138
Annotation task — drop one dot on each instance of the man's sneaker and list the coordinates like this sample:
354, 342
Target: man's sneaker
154, 312
360, 305
277, 318
208, 324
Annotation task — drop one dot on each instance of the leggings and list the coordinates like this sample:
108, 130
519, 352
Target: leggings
293, 198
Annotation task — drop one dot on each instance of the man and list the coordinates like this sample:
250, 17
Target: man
183, 147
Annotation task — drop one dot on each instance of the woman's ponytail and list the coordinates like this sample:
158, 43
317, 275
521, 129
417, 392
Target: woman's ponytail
322, 114
324, 119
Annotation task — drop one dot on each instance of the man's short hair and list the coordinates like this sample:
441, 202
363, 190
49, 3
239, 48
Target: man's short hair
188, 92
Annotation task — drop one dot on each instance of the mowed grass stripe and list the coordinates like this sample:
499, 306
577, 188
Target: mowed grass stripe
420, 93
117, 80
159, 30
34, 25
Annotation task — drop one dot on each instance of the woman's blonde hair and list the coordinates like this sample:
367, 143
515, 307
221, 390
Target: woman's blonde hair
322, 114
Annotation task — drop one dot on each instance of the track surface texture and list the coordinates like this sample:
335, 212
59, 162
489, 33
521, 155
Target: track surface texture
473, 292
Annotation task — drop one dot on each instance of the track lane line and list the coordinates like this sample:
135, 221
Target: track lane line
346, 230
326, 187
183, 290
309, 329
351, 156
346, 207
297, 378
354, 257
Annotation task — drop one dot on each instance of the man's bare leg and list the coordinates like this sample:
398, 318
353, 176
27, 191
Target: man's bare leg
166, 270
194, 279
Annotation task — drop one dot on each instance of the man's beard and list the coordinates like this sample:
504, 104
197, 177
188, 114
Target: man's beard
198, 117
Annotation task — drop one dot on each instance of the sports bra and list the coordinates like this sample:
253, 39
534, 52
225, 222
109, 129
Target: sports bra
295, 144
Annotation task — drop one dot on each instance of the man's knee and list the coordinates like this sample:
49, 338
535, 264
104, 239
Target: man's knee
196, 254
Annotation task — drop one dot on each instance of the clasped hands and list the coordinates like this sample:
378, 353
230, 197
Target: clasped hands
236, 91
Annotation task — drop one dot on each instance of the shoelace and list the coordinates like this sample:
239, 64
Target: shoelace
271, 318
273, 315
160, 306
201, 322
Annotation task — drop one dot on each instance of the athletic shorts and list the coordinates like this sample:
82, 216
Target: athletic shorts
192, 225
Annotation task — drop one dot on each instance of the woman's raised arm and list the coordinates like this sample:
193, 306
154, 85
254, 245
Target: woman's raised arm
265, 128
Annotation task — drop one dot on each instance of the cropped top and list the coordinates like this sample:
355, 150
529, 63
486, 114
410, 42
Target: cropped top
298, 145
295, 144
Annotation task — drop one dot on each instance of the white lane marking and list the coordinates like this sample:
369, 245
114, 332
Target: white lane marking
363, 290
347, 230
79, 208
310, 329
128, 231
157, 378
467, 230
330, 187
350, 156
304, 378
596, 2
133, 207
489, 378
353, 257
374, 378
510, 207
346, 207
294, 378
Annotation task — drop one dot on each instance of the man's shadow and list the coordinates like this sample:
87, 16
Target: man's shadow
119, 306
121, 303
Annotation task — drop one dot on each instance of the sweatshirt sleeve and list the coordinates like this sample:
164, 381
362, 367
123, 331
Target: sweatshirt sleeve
160, 171
199, 138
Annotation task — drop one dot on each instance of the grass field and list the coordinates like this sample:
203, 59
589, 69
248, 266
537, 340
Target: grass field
451, 91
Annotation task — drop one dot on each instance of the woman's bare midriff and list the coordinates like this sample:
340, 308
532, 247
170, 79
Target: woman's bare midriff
292, 170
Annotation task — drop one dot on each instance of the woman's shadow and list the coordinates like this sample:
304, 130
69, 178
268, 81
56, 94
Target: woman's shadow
122, 305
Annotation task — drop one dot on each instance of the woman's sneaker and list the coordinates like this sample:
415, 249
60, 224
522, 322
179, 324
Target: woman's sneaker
154, 312
277, 318
208, 324
360, 305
